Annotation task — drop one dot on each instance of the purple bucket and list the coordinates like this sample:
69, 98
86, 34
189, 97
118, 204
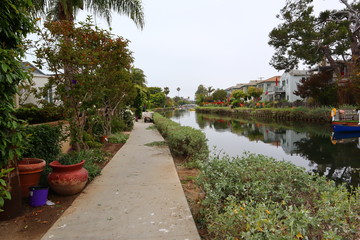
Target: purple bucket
38, 196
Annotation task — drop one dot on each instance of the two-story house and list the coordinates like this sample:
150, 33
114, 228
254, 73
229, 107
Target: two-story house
268, 87
288, 84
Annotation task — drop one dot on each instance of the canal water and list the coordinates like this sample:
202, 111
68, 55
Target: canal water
311, 146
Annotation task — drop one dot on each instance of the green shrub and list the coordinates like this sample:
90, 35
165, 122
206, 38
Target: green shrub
117, 125
183, 141
43, 142
118, 138
257, 197
93, 158
33, 115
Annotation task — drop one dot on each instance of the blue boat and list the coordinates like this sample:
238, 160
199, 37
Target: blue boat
345, 135
346, 128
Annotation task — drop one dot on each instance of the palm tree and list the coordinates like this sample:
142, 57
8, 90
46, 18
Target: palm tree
59, 10
210, 90
138, 76
166, 91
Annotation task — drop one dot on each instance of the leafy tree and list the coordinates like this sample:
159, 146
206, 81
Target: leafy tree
139, 79
255, 92
200, 94
201, 90
154, 90
59, 10
237, 97
15, 24
219, 95
157, 99
302, 36
98, 76
166, 91
318, 88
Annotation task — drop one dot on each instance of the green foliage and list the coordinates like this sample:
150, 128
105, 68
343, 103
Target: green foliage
157, 100
15, 24
255, 92
4, 188
219, 95
93, 158
117, 125
257, 197
43, 142
183, 141
59, 10
118, 138
302, 36
92, 73
33, 114
319, 114
318, 88
157, 143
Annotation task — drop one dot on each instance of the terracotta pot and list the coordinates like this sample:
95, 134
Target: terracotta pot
104, 139
30, 172
67, 179
13, 207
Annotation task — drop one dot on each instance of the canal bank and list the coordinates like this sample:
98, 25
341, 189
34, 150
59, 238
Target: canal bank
288, 114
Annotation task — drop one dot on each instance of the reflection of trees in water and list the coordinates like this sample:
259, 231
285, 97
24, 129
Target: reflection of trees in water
338, 163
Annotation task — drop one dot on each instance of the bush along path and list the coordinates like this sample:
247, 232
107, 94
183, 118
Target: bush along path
257, 197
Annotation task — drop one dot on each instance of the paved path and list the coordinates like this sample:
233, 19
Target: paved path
138, 196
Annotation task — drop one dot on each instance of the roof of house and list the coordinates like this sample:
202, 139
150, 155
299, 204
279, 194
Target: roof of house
33, 69
272, 79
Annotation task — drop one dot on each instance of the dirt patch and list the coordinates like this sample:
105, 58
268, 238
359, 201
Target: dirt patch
193, 193
36, 221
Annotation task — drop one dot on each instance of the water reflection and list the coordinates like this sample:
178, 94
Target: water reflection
308, 145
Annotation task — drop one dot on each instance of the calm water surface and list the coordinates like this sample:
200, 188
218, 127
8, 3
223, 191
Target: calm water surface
307, 145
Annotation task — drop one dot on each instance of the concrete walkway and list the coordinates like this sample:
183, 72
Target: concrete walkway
138, 196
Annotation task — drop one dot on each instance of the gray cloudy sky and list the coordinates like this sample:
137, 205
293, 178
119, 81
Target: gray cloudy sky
217, 43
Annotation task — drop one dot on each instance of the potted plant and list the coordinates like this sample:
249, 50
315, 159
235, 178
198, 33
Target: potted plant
67, 179
30, 172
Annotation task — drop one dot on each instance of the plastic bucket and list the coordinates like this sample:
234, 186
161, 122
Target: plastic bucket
38, 196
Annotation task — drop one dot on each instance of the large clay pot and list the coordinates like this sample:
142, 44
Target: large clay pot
67, 179
30, 172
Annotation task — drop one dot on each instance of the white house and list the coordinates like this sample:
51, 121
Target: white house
40, 79
288, 84
268, 86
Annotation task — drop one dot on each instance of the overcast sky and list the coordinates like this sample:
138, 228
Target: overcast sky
217, 43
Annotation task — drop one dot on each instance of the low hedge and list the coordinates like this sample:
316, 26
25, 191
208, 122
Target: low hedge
257, 197
183, 141
43, 142
34, 115
320, 114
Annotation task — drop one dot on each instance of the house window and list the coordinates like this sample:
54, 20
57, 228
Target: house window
50, 95
287, 98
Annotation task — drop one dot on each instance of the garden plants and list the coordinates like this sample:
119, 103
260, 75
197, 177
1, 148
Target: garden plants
256, 197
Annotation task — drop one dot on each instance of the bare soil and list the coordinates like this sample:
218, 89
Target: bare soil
193, 193
34, 222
